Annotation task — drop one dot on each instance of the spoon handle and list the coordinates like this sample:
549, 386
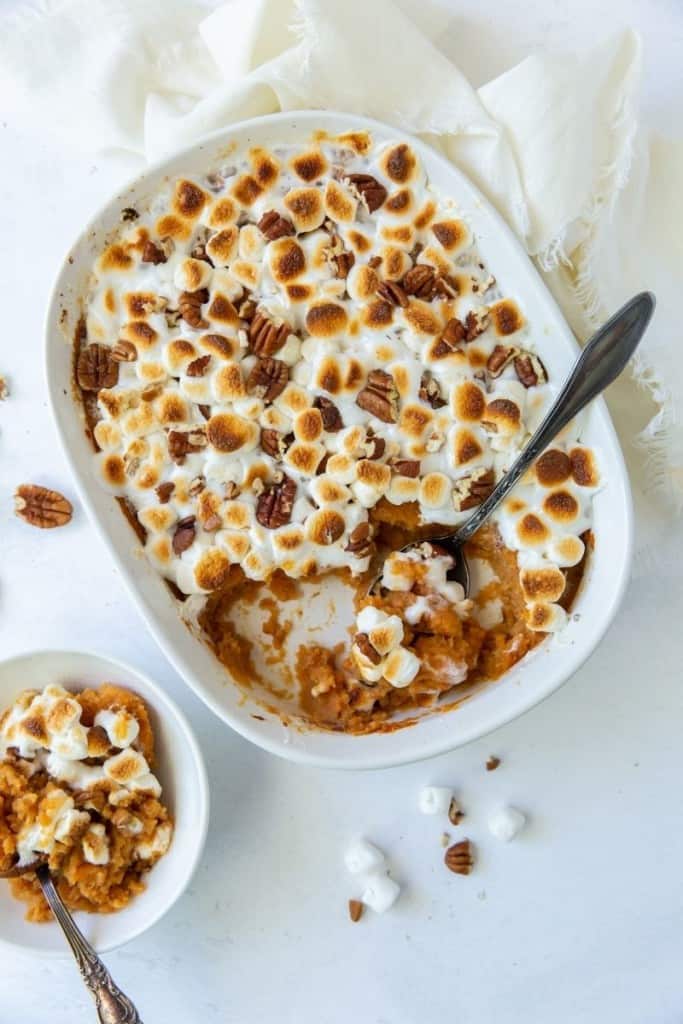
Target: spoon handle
113, 1007
600, 363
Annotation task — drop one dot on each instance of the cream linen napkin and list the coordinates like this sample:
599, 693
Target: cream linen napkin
554, 143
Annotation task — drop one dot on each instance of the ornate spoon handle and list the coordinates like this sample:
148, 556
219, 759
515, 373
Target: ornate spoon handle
113, 1007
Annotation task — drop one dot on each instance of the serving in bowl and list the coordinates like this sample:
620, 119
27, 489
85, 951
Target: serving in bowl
178, 767
278, 383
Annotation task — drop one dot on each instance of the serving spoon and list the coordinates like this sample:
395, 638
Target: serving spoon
113, 1007
599, 364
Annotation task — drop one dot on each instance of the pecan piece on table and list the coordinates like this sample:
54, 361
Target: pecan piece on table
268, 379
153, 253
360, 542
275, 504
190, 307
124, 352
392, 292
406, 467
362, 642
274, 443
530, 369
4, 390
430, 391
198, 367
380, 396
500, 358
455, 812
96, 369
184, 535
265, 336
42, 507
371, 192
355, 910
330, 414
273, 225
185, 442
473, 489
460, 857
492, 763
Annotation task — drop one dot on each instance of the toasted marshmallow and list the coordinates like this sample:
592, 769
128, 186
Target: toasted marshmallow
121, 727
96, 845
191, 275
401, 667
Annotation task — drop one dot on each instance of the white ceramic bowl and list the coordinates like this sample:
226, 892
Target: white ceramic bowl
180, 769
532, 679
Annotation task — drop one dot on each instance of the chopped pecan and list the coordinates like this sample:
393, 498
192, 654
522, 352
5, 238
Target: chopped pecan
184, 535
380, 396
455, 812
501, 357
460, 857
452, 338
392, 292
274, 443
41, 506
198, 252
185, 442
330, 414
473, 489
124, 352
151, 392
360, 541
343, 262
96, 369
164, 492
4, 390
246, 310
476, 323
421, 282
196, 486
215, 181
273, 225
374, 447
355, 910
268, 379
265, 336
231, 490
152, 253
205, 410
530, 369
190, 307
447, 287
128, 213
406, 467
362, 642
492, 763
430, 391
370, 191
198, 367
275, 504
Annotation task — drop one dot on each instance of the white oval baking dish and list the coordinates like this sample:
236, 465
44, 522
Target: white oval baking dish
493, 704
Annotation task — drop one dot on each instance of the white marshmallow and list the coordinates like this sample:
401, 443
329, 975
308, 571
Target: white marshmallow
381, 892
361, 857
435, 799
506, 822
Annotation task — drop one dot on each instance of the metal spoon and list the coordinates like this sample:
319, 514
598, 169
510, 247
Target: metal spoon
600, 363
113, 1007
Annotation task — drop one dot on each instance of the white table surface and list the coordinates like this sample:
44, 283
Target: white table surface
579, 920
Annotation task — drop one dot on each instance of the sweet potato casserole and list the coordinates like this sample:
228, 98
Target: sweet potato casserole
299, 359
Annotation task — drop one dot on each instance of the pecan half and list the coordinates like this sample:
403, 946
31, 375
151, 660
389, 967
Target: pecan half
460, 857
185, 442
190, 307
360, 541
330, 414
198, 367
430, 391
96, 369
42, 507
184, 535
406, 467
152, 253
268, 379
421, 282
164, 492
274, 443
392, 292
501, 357
530, 369
473, 489
362, 642
124, 352
380, 396
265, 336
273, 225
370, 191
275, 504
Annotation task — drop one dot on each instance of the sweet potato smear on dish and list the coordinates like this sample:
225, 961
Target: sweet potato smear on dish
77, 792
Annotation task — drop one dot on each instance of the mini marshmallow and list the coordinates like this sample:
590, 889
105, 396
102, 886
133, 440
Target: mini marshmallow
96, 845
381, 892
121, 727
400, 667
435, 799
362, 857
191, 275
506, 822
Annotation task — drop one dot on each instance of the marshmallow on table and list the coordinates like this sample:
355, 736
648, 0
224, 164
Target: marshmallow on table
435, 799
361, 856
381, 892
505, 822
